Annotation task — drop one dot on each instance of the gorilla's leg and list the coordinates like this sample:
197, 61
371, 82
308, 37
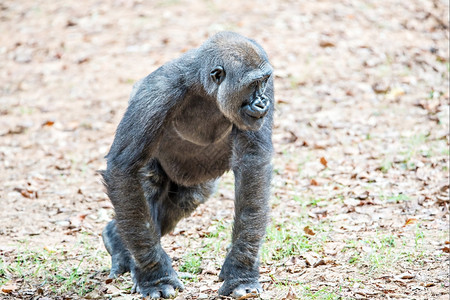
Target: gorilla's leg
168, 203
154, 183
156, 278
180, 202
121, 261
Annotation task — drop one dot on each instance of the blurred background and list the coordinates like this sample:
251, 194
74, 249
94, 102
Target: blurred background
361, 186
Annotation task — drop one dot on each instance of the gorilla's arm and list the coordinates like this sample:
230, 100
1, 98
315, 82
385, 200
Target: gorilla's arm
151, 105
252, 170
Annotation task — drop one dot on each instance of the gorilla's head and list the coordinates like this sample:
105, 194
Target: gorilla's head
240, 76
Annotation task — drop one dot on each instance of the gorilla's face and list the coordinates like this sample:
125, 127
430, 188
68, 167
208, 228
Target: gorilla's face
256, 105
245, 99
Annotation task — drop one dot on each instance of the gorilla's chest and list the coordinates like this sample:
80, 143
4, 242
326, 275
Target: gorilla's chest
197, 147
200, 122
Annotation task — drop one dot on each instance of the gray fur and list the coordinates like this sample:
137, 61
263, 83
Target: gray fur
182, 130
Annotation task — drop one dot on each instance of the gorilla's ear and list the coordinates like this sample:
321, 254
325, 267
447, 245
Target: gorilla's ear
217, 74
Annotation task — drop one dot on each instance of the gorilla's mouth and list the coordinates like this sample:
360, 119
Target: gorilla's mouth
257, 108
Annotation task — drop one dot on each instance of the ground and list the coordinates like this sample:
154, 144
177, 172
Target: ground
360, 190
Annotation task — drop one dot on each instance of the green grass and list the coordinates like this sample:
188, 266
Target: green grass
285, 240
413, 149
57, 270
216, 241
382, 252
322, 294
53, 269
418, 236
316, 202
386, 165
191, 263
395, 198
302, 290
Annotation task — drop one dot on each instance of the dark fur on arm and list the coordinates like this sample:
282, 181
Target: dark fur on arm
150, 106
252, 169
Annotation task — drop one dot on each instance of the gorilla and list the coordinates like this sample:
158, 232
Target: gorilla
188, 122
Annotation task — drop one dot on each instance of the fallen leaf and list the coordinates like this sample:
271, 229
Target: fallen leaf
313, 259
320, 262
351, 202
9, 288
112, 290
18, 129
27, 193
395, 93
410, 222
93, 295
329, 261
246, 296
291, 295
309, 231
325, 44
323, 161
380, 88
48, 123
314, 182
40, 291
82, 60
405, 276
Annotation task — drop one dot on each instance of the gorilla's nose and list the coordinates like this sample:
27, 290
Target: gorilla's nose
258, 108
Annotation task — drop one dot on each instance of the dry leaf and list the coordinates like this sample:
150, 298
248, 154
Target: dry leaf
323, 161
325, 44
27, 193
248, 296
309, 231
9, 288
48, 123
113, 290
320, 262
395, 93
313, 259
405, 276
290, 294
380, 88
93, 295
410, 222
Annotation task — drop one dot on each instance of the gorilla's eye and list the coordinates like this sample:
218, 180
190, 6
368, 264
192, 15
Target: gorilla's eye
263, 84
218, 74
259, 84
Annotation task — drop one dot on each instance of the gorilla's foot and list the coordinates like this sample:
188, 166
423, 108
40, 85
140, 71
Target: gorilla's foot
120, 264
161, 288
159, 280
237, 289
239, 279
